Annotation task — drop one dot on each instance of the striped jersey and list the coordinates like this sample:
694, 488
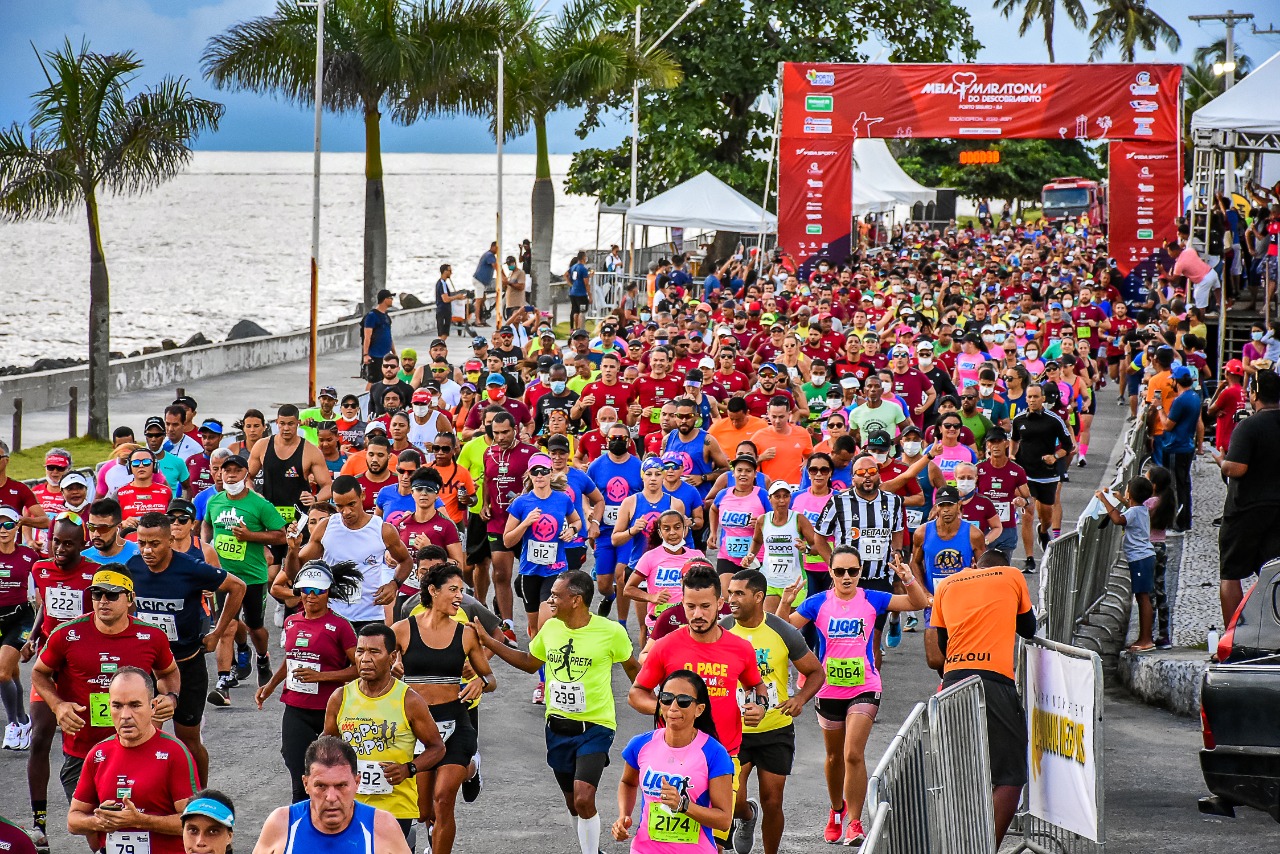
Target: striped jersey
869, 526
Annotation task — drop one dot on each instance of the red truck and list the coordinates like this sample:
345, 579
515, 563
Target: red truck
1064, 198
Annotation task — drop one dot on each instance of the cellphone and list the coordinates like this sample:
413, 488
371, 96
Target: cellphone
114, 806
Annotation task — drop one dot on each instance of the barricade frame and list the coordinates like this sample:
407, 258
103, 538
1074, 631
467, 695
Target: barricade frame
902, 781
962, 769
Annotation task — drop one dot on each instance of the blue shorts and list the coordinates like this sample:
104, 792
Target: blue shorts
1142, 573
607, 555
1135, 383
563, 751
1007, 542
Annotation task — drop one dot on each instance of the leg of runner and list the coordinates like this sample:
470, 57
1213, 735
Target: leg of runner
772, 819
18, 733
503, 561
1055, 516
1029, 514
43, 726
579, 785
190, 711
857, 729
448, 779
833, 772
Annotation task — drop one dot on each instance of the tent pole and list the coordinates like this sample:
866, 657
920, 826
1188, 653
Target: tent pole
768, 175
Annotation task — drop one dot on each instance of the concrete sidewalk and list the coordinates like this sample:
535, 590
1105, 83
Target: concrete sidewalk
227, 397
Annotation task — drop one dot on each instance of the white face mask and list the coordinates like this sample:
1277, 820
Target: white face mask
235, 488
966, 486
877, 302
986, 390
911, 449
818, 379
926, 363
673, 549
76, 508
1032, 354
605, 426
421, 409
1066, 303
881, 458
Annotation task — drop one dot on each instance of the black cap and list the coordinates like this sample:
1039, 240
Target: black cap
997, 434
947, 495
153, 421
744, 458
557, 442
188, 401
546, 362
507, 330
437, 342
911, 428
879, 439
478, 342
579, 333
694, 375
181, 505
351, 398
236, 460
608, 329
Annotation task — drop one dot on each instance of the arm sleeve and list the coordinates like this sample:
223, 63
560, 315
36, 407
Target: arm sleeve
538, 647
631, 753
87, 788
164, 654
620, 648
181, 770
719, 764
878, 599
1026, 623
791, 636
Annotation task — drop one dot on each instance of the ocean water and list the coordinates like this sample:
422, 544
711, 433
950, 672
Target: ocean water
230, 238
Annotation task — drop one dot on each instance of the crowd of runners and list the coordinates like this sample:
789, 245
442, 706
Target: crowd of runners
739, 491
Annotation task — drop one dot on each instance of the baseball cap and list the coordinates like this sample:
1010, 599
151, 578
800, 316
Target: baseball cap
557, 442
579, 333
546, 332
212, 425
350, 398
236, 461
608, 329
478, 342
507, 330
472, 365
57, 458
72, 478
546, 362
329, 392
1182, 372
947, 495
153, 421
745, 458
1235, 367
10, 514
211, 809
422, 395
779, 486
111, 582
767, 366
911, 428
314, 573
900, 350
495, 379
879, 439
181, 505
997, 434
849, 382
186, 400
375, 424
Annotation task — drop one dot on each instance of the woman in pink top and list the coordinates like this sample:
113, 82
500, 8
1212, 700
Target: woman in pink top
734, 514
845, 617
682, 775
662, 570
810, 503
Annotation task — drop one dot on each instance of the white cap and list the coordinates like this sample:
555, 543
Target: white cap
73, 478
779, 485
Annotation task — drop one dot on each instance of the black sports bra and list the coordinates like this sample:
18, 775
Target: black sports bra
429, 665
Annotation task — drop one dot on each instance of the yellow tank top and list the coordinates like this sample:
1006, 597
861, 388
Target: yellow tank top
378, 729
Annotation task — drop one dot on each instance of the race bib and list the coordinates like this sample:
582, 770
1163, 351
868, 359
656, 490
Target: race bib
446, 731
63, 603
770, 689
874, 544
228, 547
1084, 331
568, 697
1002, 507
781, 571
372, 780
288, 513
291, 682
543, 554
915, 517
667, 826
611, 514
100, 709
129, 842
846, 672
737, 547
168, 622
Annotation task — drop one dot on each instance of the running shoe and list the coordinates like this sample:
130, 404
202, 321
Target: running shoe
893, 635
744, 829
1164, 643
220, 696
912, 622
243, 666
539, 694
1030, 566
835, 826
233, 681
1066, 477
278, 617
39, 840
11, 736
473, 785
264, 670
603, 606
854, 835
24, 735
1082, 462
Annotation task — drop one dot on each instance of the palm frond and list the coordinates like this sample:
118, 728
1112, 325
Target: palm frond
151, 142
36, 182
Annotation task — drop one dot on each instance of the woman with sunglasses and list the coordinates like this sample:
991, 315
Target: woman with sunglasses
809, 503
319, 656
674, 484
686, 789
847, 704
540, 522
182, 527
143, 494
781, 539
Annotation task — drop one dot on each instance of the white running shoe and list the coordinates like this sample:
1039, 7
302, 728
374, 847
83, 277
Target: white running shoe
278, 617
11, 736
24, 735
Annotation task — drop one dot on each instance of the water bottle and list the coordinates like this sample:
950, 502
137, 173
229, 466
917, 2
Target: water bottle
1212, 641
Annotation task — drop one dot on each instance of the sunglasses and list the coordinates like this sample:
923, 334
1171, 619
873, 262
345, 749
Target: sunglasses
68, 516
819, 470
841, 571
8, 525
154, 435
310, 591
406, 471
866, 472
442, 449
439, 370
179, 518
102, 529
684, 701
539, 471
55, 468
109, 595
350, 406
422, 488
141, 463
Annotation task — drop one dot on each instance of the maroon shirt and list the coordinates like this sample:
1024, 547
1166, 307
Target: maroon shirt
319, 644
16, 494
1001, 486
15, 569
504, 480
440, 531
653, 393
979, 510
913, 387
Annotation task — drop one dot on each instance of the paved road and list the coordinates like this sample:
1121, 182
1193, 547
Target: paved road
1153, 776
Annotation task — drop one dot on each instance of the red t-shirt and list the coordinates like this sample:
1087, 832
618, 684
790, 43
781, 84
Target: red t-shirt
504, 480
892, 469
732, 382
723, 665
518, 411
1230, 401
619, 396
62, 593
979, 511
154, 776
1092, 334
369, 489
16, 494
319, 644
15, 569
83, 660
51, 502
651, 394
198, 471
136, 500
1001, 485
913, 387
593, 445
758, 401
1120, 327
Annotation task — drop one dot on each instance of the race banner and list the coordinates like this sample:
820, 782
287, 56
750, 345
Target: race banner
1144, 198
1061, 722
815, 198
1084, 102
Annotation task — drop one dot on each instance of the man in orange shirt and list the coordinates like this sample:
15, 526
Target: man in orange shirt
1163, 383
975, 615
739, 427
459, 488
784, 447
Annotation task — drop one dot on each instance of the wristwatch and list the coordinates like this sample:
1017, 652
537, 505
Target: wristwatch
411, 769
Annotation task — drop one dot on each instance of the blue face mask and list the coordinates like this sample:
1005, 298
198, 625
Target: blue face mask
558, 386
1256, 336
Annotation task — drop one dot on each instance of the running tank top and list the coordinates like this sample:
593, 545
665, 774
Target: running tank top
423, 435
693, 454
917, 515
356, 838
943, 557
377, 728
366, 548
738, 522
649, 511
429, 665
781, 554
283, 480
811, 506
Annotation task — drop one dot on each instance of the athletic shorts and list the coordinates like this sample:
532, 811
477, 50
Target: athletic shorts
496, 545
534, 590
69, 774
578, 304
576, 557
1247, 539
254, 608
570, 741
193, 691
773, 751
1006, 729
460, 740
1142, 574
723, 835
607, 555
15, 625
1007, 542
372, 371
834, 711
724, 566
1045, 493
477, 539
1134, 385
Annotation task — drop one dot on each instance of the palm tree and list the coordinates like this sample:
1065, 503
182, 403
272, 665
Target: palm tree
407, 59
87, 133
571, 61
1130, 24
1045, 11
1217, 52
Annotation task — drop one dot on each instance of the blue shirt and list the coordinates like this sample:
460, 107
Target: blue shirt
578, 280
201, 501
380, 340
485, 269
543, 537
1185, 412
580, 486
130, 550
174, 599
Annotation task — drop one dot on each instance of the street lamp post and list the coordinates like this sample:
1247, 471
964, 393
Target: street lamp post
313, 339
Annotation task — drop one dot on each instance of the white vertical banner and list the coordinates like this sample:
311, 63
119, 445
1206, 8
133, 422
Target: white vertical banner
1060, 724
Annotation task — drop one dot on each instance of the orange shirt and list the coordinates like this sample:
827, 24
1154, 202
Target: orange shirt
979, 608
1163, 383
790, 450
449, 494
730, 437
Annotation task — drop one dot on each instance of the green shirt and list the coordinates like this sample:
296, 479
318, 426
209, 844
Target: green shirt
979, 424
580, 667
471, 458
247, 561
816, 399
312, 414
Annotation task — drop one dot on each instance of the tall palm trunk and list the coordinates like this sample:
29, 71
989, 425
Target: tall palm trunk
544, 217
375, 211
99, 326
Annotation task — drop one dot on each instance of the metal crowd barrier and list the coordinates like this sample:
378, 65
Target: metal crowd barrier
962, 769
1037, 835
877, 832
902, 782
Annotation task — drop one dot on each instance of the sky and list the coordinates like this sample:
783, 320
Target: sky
169, 36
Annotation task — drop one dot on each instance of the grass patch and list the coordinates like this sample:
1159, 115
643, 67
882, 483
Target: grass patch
28, 463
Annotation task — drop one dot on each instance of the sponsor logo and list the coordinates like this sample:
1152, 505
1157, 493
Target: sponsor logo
845, 627
813, 229
814, 168
1146, 188
820, 78
813, 216
160, 754
1146, 234
966, 86
819, 103
808, 128
1144, 106
1142, 127
1142, 84
813, 206
814, 184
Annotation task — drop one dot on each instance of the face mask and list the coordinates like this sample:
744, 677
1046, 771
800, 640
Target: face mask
495, 393
421, 409
511, 267
966, 486
606, 426
1066, 303
1032, 354
818, 379
927, 302
558, 386
672, 549
234, 489
644, 315
76, 508
545, 378
925, 363
618, 446
834, 402
986, 390
1256, 336
988, 337
880, 458
473, 377
1020, 331
999, 337
911, 449
877, 301
822, 268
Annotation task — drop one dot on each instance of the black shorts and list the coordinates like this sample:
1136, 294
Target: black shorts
838, 710
253, 610
725, 566
193, 691
15, 624
461, 743
576, 557
372, 371
578, 304
773, 751
1045, 493
69, 774
477, 539
496, 545
1006, 729
1247, 539
534, 590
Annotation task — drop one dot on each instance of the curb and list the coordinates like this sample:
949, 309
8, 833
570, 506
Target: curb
1169, 679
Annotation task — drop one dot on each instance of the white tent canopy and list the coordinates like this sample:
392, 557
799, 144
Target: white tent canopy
1250, 106
867, 199
877, 176
704, 202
